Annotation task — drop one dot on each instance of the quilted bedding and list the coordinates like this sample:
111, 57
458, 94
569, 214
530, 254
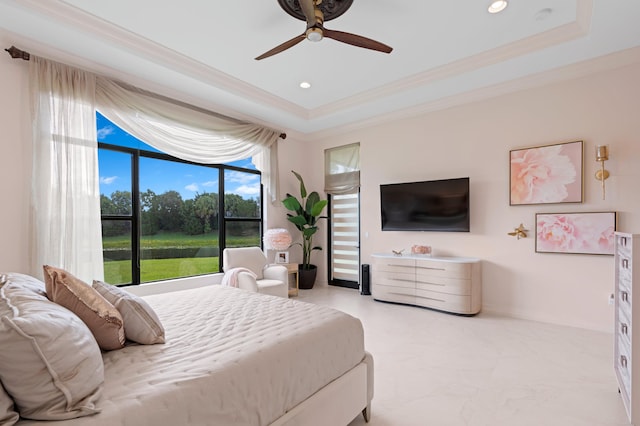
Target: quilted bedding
231, 357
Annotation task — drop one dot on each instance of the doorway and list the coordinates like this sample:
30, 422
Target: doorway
344, 240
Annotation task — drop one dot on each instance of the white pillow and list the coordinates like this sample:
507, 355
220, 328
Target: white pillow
141, 324
50, 364
8, 415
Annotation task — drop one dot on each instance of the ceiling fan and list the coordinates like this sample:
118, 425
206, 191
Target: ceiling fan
315, 15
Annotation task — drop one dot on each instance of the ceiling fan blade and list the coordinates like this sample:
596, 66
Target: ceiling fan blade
356, 40
309, 10
281, 48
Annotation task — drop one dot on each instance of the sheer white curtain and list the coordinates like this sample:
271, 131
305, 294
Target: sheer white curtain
65, 190
189, 133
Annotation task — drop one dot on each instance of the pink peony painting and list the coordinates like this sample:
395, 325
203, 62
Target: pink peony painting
547, 174
583, 233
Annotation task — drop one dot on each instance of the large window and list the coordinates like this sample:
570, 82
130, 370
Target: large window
163, 217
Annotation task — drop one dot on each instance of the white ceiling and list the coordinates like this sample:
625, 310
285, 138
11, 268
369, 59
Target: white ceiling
445, 52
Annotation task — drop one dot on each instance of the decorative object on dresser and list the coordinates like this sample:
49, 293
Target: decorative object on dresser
448, 284
627, 322
418, 249
546, 174
578, 233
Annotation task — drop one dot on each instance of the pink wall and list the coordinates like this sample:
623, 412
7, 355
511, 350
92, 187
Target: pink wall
474, 140
15, 165
471, 140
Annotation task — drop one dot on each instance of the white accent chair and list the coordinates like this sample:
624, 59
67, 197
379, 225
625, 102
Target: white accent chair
270, 279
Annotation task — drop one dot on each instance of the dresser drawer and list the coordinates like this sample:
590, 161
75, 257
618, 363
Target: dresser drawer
457, 286
623, 369
444, 302
394, 294
443, 269
398, 279
625, 273
624, 300
623, 245
623, 327
394, 265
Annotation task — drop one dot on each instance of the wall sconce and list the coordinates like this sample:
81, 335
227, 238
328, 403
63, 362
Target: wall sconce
602, 155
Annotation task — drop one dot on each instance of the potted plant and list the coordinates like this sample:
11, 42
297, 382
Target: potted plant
306, 214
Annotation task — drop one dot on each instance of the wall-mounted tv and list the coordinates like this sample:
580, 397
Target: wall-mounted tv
435, 205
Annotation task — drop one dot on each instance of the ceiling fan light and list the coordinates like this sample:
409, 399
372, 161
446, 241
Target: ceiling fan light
497, 6
314, 34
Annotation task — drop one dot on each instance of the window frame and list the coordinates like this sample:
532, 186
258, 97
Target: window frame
135, 216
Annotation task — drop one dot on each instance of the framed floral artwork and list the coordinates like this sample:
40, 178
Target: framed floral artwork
580, 233
546, 174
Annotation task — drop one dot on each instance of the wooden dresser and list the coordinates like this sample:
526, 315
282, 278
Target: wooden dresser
449, 284
627, 322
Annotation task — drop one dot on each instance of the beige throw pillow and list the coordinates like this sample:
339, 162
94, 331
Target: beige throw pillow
141, 324
102, 318
50, 364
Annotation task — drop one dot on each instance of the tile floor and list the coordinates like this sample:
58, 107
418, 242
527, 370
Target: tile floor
438, 369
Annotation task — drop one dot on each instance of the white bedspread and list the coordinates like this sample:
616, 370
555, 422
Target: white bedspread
231, 358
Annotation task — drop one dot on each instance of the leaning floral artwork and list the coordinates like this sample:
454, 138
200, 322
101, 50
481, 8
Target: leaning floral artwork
582, 233
547, 174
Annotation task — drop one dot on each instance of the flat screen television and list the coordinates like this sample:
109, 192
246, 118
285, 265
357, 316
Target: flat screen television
435, 205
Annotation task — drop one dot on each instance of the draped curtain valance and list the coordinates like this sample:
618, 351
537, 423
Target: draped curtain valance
187, 132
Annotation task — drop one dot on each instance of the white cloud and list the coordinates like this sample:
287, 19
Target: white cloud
210, 183
247, 191
241, 178
103, 132
108, 180
192, 187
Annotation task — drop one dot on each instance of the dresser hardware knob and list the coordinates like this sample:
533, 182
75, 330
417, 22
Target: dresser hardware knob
625, 296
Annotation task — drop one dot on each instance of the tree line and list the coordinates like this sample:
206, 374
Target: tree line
170, 213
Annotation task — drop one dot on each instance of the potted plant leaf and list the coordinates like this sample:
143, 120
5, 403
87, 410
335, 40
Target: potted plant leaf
305, 216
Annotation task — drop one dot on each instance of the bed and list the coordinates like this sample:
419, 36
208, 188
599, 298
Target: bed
232, 357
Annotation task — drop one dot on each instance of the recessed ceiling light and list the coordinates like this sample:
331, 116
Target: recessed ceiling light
497, 6
305, 85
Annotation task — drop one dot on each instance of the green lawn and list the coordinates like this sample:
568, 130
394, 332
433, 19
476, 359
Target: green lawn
176, 239
119, 271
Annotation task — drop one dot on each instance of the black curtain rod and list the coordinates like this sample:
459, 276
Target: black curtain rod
21, 54
18, 54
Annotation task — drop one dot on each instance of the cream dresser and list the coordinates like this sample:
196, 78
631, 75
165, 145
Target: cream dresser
627, 322
449, 284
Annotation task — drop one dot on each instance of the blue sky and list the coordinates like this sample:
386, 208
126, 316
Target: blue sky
161, 176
